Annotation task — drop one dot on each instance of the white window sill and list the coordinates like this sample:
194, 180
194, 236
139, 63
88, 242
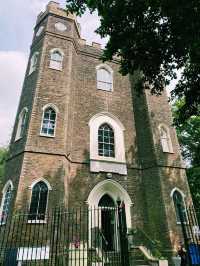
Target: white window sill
108, 166
54, 68
36, 221
171, 152
111, 90
47, 136
18, 139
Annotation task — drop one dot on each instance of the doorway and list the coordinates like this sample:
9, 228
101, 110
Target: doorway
108, 222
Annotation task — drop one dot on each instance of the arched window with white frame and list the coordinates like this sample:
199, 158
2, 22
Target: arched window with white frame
6, 202
165, 139
56, 59
39, 201
33, 62
48, 125
22, 119
104, 77
179, 205
107, 149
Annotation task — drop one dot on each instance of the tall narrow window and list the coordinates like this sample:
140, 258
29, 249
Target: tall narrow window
5, 205
104, 78
179, 206
38, 204
106, 143
165, 139
49, 122
56, 59
21, 124
33, 62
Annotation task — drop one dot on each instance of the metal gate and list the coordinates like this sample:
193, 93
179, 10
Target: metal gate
189, 219
78, 237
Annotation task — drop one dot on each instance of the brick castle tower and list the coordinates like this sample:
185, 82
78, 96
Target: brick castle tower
84, 138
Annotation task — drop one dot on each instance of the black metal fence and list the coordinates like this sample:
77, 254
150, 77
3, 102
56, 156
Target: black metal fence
189, 220
78, 237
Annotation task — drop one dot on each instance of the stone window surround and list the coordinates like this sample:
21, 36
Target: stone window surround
31, 188
110, 70
53, 106
51, 62
8, 183
183, 198
162, 125
19, 123
115, 191
107, 164
33, 62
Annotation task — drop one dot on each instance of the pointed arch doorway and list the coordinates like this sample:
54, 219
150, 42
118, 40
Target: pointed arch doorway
103, 197
108, 222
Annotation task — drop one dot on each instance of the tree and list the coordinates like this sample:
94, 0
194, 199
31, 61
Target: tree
155, 38
189, 139
3, 156
189, 136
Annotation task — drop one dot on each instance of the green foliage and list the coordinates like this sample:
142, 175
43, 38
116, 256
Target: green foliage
193, 175
156, 38
188, 135
3, 155
189, 139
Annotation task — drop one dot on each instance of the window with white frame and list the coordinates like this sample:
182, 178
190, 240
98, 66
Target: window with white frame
106, 143
179, 205
48, 122
33, 62
21, 123
107, 149
165, 139
56, 59
6, 202
38, 204
104, 77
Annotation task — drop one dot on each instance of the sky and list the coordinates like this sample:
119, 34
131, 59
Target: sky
17, 20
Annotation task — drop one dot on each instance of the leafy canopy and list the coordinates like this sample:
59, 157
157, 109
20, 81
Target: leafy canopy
189, 139
189, 136
155, 37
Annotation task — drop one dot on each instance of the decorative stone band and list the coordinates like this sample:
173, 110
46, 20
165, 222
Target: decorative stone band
108, 166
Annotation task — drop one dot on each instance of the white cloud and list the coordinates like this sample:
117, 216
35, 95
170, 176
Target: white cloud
12, 64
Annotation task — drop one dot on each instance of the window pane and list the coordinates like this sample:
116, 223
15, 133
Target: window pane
38, 202
6, 204
106, 141
104, 79
49, 120
179, 206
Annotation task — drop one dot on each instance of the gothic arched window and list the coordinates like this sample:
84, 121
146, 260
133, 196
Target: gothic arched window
48, 122
33, 62
106, 142
179, 205
56, 59
165, 139
21, 124
6, 201
104, 78
38, 204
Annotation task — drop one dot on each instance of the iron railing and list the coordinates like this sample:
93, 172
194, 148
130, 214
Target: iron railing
189, 220
78, 237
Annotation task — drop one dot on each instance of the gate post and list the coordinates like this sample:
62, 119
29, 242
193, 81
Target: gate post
123, 234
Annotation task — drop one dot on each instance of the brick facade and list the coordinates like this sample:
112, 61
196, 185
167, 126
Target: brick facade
64, 161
